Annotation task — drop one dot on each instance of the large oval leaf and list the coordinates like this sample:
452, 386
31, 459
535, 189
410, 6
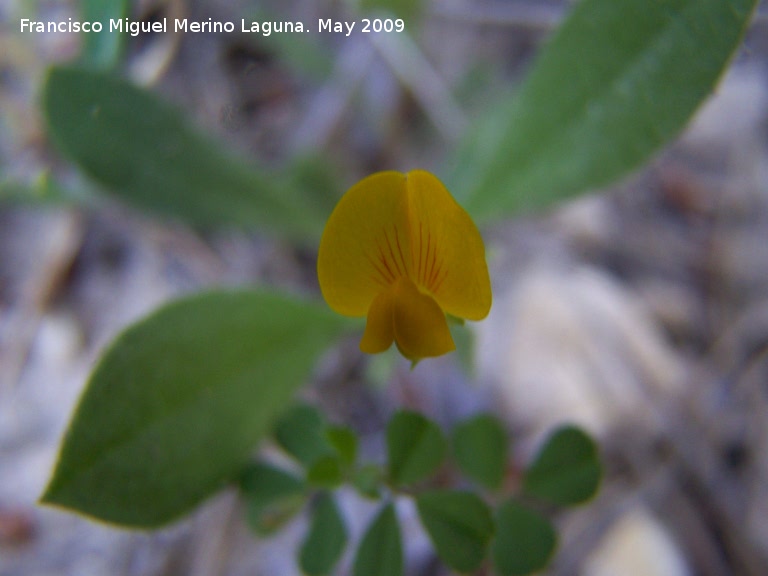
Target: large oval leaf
618, 80
178, 402
141, 148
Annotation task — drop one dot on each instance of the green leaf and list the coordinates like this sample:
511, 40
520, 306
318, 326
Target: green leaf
177, 403
415, 448
272, 496
143, 150
380, 367
408, 10
263, 482
326, 538
102, 49
267, 519
603, 95
480, 447
315, 175
42, 191
524, 540
381, 550
567, 469
344, 441
326, 472
464, 339
304, 55
367, 480
301, 433
460, 526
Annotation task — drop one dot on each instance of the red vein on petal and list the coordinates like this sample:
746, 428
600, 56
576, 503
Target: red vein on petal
426, 260
383, 279
400, 250
421, 251
392, 253
435, 273
439, 282
383, 259
433, 261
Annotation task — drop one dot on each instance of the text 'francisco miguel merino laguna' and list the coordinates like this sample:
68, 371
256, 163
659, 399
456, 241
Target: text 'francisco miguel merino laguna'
134, 27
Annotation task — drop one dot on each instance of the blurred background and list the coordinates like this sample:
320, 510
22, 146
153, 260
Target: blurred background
639, 312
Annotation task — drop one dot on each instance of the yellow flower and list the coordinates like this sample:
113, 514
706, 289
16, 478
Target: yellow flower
399, 249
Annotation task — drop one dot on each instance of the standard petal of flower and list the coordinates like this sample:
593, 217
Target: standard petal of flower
421, 330
379, 326
448, 251
365, 245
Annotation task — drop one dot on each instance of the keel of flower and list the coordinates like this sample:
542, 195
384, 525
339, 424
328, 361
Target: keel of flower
400, 250
410, 318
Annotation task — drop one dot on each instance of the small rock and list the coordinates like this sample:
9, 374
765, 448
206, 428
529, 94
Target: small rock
637, 545
573, 345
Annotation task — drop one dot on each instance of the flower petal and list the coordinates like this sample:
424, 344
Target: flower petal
379, 327
366, 243
448, 251
420, 327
